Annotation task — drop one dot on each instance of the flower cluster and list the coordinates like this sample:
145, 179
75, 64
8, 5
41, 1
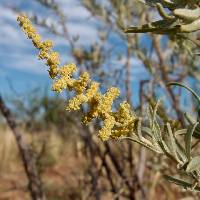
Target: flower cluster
115, 124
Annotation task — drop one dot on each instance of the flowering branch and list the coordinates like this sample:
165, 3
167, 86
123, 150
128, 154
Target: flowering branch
123, 123
116, 124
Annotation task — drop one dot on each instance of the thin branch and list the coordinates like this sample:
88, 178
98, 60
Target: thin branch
35, 184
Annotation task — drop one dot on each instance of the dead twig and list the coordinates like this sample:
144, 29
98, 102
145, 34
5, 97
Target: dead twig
35, 185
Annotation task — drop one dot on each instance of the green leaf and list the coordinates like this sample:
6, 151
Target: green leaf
194, 164
134, 139
172, 141
139, 128
196, 133
189, 119
147, 131
181, 152
187, 88
180, 182
188, 140
166, 150
180, 132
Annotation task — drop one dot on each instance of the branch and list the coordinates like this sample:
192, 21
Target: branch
35, 185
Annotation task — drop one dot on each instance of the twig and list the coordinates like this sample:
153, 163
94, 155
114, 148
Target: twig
35, 185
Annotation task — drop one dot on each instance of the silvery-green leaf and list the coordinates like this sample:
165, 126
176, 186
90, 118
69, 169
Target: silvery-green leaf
187, 14
139, 128
165, 3
145, 144
188, 140
172, 143
158, 27
180, 132
181, 152
194, 164
196, 133
180, 182
189, 119
147, 131
156, 137
192, 27
166, 150
187, 88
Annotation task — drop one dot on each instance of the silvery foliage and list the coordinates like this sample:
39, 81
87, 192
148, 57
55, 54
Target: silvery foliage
178, 16
176, 144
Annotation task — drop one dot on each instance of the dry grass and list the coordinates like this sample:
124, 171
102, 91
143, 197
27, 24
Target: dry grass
62, 167
58, 165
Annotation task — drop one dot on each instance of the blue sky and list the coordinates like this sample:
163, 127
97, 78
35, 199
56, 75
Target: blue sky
19, 66
21, 71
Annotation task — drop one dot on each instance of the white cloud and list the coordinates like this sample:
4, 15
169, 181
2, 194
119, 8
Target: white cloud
8, 31
74, 9
25, 62
87, 34
18, 52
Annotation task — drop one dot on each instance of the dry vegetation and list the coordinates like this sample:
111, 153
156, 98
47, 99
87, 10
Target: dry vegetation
71, 160
60, 165
66, 172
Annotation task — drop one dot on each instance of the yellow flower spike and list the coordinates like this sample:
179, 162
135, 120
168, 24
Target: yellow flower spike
92, 91
126, 121
46, 45
92, 94
101, 105
124, 114
115, 124
76, 102
53, 71
45, 48
67, 70
53, 59
106, 130
62, 83
29, 29
81, 84
23, 20
92, 114
106, 100
37, 41
59, 85
65, 81
43, 54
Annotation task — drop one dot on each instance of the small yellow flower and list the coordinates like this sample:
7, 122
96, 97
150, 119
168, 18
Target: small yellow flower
106, 100
93, 112
81, 84
67, 70
115, 124
46, 45
126, 121
53, 59
37, 41
106, 130
92, 90
64, 81
76, 102
53, 71
45, 48
43, 54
